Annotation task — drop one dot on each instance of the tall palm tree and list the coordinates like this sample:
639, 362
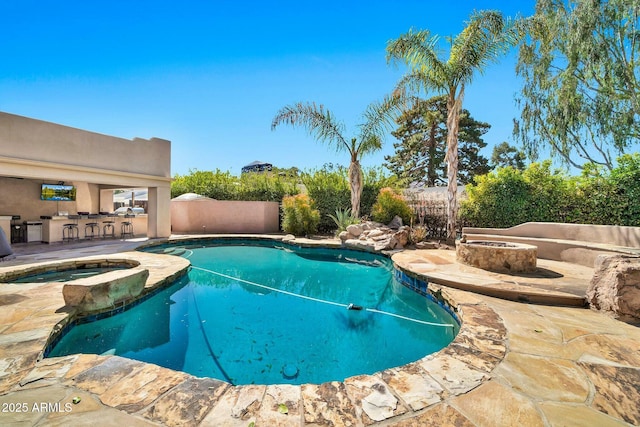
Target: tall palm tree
322, 124
486, 37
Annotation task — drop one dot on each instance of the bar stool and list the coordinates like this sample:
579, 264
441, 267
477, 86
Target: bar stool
108, 229
126, 229
91, 227
70, 230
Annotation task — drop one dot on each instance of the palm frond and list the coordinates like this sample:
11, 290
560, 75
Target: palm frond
316, 120
416, 50
379, 118
421, 79
484, 40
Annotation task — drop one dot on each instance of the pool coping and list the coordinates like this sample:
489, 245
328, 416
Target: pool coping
392, 393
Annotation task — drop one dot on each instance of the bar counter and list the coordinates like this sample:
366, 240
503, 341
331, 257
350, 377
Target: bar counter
52, 226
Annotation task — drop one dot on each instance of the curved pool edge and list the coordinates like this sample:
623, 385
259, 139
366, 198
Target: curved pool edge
397, 392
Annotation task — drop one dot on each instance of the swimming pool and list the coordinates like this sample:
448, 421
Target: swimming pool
267, 313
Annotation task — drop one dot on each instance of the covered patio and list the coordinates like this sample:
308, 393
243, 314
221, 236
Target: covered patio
34, 153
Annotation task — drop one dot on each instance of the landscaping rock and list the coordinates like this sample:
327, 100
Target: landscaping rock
615, 286
374, 233
375, 236
427, 245
395, 223
402, 236
104, 290
355, 230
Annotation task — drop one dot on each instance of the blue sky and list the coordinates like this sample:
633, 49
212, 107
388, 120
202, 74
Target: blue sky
211, 75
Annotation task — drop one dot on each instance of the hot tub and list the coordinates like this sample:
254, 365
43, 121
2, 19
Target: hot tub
64, 271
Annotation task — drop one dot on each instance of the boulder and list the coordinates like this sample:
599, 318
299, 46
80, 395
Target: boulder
366, 226
359, 244
355, 230
384, 245
402, 237
375, 236
106, 290
395, 223
374, 233
615, 286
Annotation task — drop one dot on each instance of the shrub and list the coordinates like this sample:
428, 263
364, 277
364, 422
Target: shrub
270, 187
221, 185
329, 187
343, 219
625, 186
389, 204
497, 199
374, 180
507, 197
418, 234
299, 216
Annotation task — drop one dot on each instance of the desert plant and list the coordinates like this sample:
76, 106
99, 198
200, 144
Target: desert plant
418, 234
343, 219
299, 216
388, 205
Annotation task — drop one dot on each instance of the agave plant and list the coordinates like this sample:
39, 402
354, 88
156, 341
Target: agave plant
343, 219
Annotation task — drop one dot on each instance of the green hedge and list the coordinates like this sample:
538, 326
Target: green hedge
329, 188
507, 197
270, 187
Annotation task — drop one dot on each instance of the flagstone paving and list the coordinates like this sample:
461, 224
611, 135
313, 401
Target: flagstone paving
512, 364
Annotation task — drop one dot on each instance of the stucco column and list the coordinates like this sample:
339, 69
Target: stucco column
106, 200
159, 212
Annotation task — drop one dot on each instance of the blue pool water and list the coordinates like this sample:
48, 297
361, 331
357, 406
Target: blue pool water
264, 315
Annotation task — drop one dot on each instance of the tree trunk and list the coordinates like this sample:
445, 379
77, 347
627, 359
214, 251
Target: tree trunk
355, 184
432, 174
453, 110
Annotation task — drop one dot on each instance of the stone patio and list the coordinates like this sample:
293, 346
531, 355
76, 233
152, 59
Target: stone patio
511, 364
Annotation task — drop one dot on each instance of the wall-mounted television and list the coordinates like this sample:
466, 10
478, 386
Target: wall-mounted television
59, 193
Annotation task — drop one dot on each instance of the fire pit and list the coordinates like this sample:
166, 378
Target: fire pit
501, 257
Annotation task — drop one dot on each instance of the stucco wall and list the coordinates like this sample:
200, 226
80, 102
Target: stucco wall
36, 152
606, 234
22, 197
221, 216
23, 137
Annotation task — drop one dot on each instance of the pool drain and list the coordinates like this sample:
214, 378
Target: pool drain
290, 372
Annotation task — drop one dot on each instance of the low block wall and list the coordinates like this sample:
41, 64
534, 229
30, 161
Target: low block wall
575, 243
224, 216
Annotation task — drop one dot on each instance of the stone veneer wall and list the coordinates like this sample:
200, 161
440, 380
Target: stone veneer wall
510, 258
